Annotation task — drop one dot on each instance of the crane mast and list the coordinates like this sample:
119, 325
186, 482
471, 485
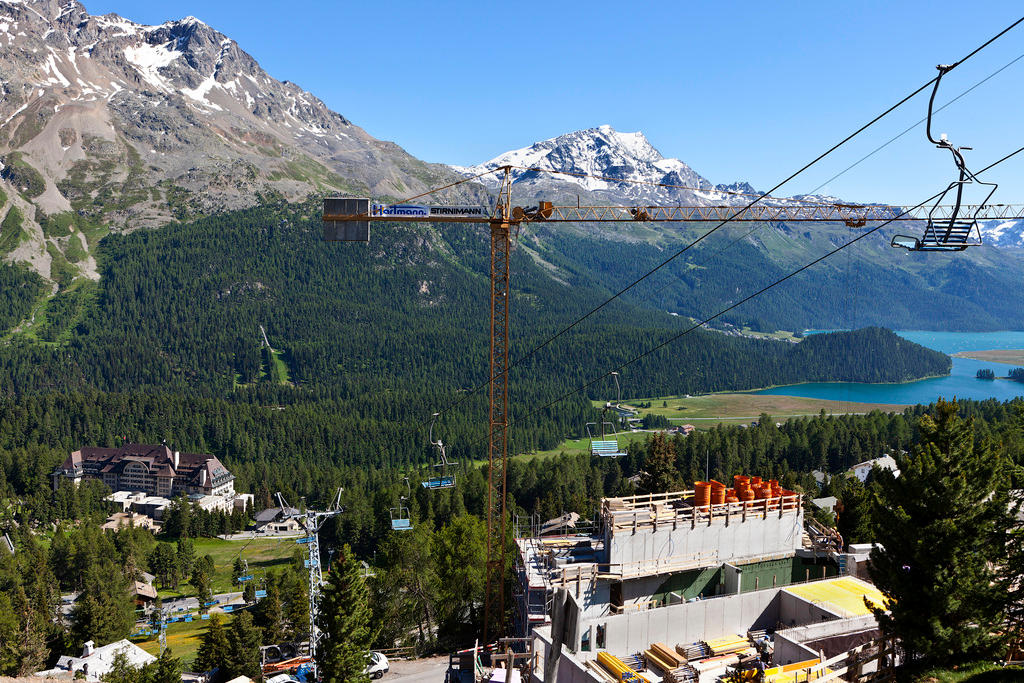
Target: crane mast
497, 420
348, 219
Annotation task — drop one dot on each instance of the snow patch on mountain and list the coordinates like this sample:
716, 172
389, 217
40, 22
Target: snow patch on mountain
149, 59
614, 167
1009, 234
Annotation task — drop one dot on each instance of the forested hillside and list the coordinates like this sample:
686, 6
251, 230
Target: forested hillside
182, 307
868, 284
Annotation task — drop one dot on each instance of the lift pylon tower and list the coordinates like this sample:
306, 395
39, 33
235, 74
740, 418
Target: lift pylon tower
311, 522
348, 220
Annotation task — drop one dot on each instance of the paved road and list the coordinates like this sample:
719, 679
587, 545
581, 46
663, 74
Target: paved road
429, 670
181, 605
247, 535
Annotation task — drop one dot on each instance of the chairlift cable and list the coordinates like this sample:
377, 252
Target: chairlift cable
732, 218
760, 226
749, 297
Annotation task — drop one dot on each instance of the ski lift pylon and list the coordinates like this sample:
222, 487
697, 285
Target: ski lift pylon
608, 445
955, 232
400, 520
444, 481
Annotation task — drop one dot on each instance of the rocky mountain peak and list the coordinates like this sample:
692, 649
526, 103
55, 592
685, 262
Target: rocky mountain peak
116, 124
609, 165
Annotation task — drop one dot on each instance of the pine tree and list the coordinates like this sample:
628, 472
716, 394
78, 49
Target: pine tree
166, 669
186, 555
104, 611
121, 671
660, 472
213, 650
269, 615
460, 551
237, 570
204, 593
346, 621
940, 523
296, 595
1011, 571
243, 657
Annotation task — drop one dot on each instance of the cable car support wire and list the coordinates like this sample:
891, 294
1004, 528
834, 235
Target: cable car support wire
348, 220
949, 232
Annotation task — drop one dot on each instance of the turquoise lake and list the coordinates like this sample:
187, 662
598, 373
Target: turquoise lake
960, 383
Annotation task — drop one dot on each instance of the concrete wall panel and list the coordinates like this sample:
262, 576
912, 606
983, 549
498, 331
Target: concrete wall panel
735, 540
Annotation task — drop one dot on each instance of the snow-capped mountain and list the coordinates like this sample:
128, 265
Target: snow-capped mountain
126, 124
1005, 234
611, 166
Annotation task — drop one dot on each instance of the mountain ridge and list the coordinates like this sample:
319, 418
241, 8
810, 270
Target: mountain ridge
614, 166
121, 125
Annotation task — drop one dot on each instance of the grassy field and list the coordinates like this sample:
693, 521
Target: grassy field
733, 408
183, 639
705, 412
1008, 356
280, 370
261, 553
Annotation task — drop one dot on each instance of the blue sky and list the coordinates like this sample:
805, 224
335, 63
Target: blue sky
738, 90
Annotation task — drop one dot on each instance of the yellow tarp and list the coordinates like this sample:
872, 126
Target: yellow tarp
844, 596
727, 644
796, 676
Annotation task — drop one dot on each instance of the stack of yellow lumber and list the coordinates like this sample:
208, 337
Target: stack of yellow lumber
617, 668
727, 645
662, 657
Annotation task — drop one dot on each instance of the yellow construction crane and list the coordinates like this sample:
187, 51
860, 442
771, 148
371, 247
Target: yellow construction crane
348, 220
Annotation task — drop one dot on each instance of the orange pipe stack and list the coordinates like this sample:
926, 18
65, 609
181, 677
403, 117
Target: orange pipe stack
746, 493
701, 494
739, 481
717, 492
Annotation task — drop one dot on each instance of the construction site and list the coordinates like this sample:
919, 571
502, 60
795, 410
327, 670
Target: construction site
691, 585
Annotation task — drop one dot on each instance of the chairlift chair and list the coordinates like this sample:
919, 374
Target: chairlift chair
444, 481
606, 447
956, 232
400, 520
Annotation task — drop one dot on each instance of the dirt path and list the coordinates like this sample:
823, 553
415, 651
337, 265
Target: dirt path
428, 670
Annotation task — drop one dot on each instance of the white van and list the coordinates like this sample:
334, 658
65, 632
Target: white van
376, 665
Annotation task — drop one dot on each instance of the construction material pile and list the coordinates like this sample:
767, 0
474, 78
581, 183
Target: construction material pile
744, 489
693, 651
619, 670
708, 656
673, 666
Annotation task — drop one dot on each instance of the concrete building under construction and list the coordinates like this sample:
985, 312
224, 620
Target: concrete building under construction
668, 548
705, 569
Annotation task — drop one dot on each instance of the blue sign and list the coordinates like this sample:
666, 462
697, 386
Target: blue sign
188, 618
205, 616
212, 602
245, 578
307, 539
229, 608
382, 210
261, 594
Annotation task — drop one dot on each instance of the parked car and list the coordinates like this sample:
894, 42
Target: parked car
376, 665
